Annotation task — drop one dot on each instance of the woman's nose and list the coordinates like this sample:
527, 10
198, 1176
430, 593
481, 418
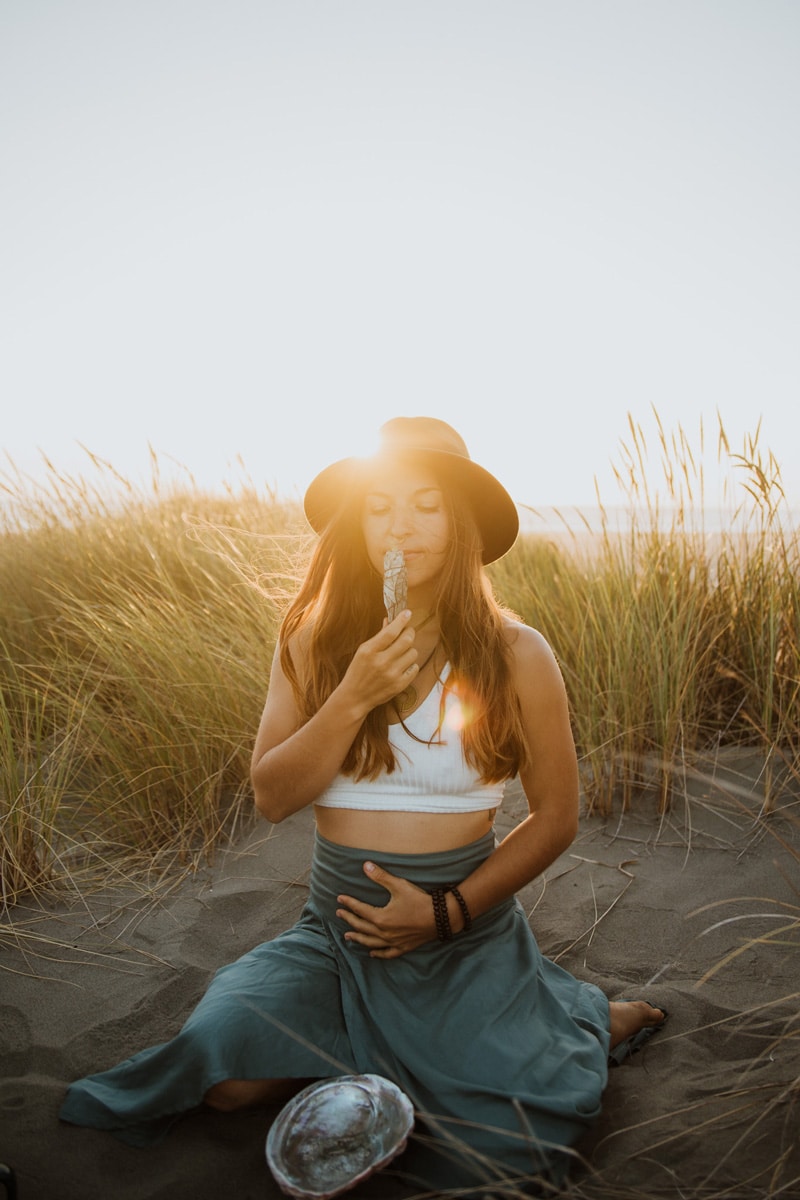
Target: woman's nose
402, 523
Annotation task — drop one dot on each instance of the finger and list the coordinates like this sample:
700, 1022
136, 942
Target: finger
380, 876
392, 952
367, 912
371, 940
358, 923
392, 630
399, 657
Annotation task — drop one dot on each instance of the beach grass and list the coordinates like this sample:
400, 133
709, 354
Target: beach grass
673, 637
136, 633
137, 626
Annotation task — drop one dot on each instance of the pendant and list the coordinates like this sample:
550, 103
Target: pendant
407, 699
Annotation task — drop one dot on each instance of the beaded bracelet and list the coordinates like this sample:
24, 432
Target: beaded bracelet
440, 915
462, 904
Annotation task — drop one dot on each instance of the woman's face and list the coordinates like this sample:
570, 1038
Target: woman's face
404, 509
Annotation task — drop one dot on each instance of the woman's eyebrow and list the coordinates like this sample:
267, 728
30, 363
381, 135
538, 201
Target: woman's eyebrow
419, 492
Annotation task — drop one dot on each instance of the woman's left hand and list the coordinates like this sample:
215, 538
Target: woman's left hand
403, 924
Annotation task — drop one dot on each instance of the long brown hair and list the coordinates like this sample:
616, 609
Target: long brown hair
340, 605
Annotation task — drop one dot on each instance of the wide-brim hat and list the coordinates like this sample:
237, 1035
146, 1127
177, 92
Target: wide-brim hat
433, 443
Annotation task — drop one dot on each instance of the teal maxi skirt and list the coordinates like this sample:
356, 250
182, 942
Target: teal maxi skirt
502, 1052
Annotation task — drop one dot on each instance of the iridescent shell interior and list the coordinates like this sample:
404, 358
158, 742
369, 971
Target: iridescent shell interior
337, 1132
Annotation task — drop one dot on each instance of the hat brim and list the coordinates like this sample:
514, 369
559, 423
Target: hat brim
492, 507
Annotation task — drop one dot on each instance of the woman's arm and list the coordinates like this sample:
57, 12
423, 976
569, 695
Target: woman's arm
550, 781
292, 762
550, 778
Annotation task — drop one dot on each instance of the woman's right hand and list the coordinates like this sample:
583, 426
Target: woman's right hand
295, 760
383, 666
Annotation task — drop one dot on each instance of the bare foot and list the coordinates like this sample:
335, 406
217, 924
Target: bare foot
629, 1016
232, 1094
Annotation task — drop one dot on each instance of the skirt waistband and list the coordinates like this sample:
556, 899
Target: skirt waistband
340, 869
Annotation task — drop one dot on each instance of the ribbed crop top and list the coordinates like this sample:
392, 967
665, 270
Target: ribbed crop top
430, 776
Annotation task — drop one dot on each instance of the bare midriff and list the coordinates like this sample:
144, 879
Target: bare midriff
402, 832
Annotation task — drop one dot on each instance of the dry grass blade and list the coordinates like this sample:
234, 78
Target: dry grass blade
49, 949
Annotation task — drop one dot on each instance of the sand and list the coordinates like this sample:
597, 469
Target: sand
642, 906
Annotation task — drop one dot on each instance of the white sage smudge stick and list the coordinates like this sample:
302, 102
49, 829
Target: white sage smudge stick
395, 583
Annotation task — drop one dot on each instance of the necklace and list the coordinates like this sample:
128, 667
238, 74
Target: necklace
407, 699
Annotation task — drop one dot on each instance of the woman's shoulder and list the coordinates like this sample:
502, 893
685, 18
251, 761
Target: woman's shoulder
530, 650
524, 639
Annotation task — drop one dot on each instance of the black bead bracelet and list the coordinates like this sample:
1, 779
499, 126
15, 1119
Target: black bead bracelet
462, 904
441, 916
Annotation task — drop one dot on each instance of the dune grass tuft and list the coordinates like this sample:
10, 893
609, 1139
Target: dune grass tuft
673, 638
136, 632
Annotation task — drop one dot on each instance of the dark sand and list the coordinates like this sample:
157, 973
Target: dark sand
710, 1108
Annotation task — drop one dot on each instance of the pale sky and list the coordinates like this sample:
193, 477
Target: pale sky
259, 228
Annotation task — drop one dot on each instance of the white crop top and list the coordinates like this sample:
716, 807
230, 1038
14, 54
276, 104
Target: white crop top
430, 776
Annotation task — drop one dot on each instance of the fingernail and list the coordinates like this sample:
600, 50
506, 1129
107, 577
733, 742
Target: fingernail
369, 867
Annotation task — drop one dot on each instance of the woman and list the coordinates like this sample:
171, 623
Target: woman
412, 958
